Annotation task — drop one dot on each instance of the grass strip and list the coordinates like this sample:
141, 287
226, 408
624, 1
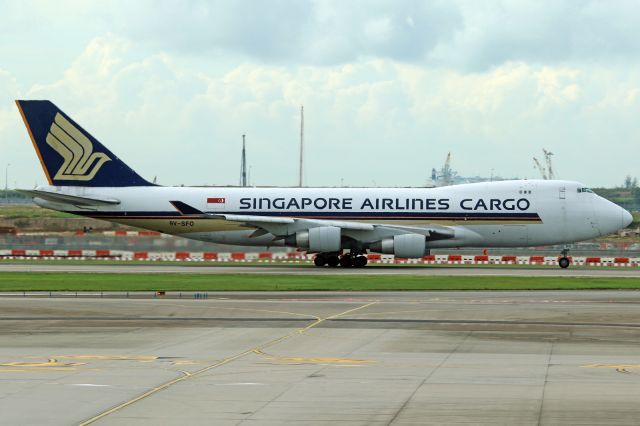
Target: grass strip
21, 281
278, 264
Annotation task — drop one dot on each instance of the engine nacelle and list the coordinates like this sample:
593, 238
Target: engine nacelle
407, 245
323, 239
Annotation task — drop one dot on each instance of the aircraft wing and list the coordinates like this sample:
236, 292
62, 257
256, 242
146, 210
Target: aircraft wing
284, 225
264, 220
75, 200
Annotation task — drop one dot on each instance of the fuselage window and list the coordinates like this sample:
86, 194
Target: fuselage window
580, 190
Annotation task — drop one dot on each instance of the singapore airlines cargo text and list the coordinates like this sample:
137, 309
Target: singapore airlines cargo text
492, 204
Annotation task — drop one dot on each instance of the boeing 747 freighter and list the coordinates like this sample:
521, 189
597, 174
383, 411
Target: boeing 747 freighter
339, 225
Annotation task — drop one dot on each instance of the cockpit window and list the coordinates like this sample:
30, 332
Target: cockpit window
585, 190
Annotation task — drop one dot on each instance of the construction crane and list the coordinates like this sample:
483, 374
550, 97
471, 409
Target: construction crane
446, 171
541, 169
547, 157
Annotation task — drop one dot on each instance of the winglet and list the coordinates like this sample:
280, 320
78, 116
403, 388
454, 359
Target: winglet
185, 209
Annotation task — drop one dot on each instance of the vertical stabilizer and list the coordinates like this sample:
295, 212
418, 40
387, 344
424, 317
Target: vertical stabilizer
69, 155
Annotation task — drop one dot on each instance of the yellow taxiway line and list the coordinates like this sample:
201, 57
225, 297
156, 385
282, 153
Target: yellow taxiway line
220, 363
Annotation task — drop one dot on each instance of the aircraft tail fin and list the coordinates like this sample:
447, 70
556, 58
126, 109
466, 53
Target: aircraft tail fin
69, 155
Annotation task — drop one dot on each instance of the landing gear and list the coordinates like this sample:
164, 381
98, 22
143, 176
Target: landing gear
356, 260
346, 260
320, 260
360, 261
330, 259
563, 260
333, 260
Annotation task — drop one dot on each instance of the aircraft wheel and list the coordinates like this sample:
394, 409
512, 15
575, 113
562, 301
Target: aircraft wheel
333, 260
346, 261
564, 262
360, 261
320, 260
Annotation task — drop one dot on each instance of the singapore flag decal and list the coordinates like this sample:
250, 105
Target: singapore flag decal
215, 203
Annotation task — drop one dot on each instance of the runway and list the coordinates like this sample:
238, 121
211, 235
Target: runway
432, 270
270, 358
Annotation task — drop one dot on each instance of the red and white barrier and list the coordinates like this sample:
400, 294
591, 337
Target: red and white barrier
301, 257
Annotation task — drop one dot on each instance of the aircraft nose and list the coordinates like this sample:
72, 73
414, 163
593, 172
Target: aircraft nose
611, 217
626, 218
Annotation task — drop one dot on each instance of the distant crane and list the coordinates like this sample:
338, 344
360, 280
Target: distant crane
548, 172
446, 174
547, 157
540, 168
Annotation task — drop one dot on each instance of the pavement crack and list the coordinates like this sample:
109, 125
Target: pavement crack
431, 373
544, 385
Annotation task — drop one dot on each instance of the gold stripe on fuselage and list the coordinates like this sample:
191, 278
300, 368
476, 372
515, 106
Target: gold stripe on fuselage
184, 224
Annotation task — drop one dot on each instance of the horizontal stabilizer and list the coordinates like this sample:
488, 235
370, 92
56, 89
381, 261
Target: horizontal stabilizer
76, 200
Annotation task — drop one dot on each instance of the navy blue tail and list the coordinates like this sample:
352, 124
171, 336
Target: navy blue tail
69, 155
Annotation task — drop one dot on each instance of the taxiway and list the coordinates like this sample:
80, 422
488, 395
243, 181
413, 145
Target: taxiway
366, 358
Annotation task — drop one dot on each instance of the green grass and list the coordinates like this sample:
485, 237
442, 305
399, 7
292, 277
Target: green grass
19, 281
27, 211
280, 264
284, 263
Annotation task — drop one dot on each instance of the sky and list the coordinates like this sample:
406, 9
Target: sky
388, 87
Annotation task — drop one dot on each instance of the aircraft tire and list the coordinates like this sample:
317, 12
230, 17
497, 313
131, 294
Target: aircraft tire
333, 260
360, 261
346, 261
320, 260
563, 262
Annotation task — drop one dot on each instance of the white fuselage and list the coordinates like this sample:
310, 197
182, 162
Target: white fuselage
492, 214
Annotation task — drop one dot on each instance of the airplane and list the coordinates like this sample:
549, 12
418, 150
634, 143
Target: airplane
339, 225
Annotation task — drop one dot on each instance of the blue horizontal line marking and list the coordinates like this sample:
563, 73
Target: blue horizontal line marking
324, 215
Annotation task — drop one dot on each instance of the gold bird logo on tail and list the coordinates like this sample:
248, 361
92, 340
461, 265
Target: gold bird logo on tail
80, 162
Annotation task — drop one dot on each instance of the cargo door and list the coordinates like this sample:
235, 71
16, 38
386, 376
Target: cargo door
515, 235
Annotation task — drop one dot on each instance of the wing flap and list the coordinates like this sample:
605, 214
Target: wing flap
254, 218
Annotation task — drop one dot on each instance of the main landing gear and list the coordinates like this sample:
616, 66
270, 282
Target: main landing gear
563, 260
346, 260
323, 259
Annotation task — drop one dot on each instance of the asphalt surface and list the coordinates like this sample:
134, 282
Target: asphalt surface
269, 358
434, 270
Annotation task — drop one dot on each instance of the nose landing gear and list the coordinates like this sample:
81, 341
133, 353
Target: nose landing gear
563, 260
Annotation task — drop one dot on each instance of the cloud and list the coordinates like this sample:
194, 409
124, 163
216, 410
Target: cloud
556, 32
285, 31
373, 121
463, 34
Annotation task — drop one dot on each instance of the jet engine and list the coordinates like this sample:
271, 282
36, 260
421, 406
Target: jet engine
406, 245
323, 239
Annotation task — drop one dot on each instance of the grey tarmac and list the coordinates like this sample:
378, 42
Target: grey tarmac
435, 270
270, 358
